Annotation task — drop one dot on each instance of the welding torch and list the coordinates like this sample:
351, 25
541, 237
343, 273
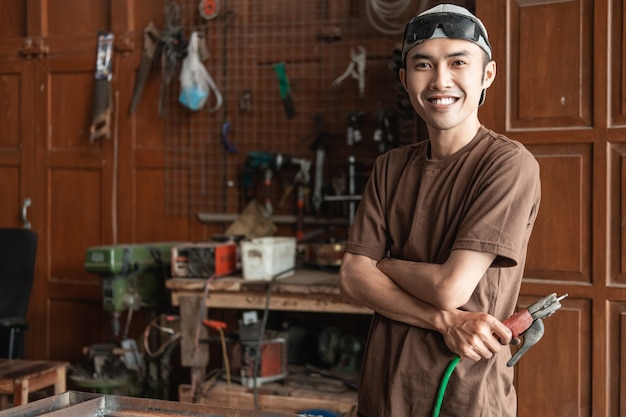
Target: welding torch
527, 322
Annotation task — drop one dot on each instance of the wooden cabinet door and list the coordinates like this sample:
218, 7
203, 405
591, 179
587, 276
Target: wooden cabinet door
47, 63
47, 81
16, 144
83, 193
550, 94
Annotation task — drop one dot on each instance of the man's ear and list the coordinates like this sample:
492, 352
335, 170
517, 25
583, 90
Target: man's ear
490, 74
402, 75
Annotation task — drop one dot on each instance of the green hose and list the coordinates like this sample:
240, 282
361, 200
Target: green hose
444, 384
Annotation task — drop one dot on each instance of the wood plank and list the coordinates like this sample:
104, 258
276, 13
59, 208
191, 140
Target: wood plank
240, 397
278, 302
193, 354
311, 290
303, 281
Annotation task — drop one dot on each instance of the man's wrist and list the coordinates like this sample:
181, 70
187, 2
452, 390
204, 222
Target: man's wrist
444, 320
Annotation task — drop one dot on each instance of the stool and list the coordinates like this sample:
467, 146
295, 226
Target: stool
21, 377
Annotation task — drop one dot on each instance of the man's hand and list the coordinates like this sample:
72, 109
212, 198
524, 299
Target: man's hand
475, 335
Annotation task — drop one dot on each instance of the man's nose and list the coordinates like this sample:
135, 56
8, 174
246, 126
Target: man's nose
441, 78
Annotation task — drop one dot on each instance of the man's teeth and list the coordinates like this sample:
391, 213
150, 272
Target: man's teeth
443, 101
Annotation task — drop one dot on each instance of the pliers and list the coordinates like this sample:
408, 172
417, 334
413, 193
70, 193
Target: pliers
528, 322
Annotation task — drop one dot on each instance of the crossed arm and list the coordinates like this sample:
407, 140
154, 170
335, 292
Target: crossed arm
428, 296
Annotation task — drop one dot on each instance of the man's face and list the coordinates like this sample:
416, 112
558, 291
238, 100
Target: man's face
444, 79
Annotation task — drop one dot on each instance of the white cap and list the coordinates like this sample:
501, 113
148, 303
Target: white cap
439, 32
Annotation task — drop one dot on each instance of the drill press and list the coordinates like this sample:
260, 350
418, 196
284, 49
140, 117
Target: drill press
133, 276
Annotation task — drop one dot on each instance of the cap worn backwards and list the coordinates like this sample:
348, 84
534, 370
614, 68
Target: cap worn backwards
445, 21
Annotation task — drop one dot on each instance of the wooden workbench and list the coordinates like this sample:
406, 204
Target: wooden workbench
307, 290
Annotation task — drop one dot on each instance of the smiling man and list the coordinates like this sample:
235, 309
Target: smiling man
438, 245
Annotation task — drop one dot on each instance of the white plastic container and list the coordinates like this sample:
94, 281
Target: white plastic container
264, 257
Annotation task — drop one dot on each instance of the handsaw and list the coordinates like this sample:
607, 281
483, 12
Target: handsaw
151, 39
100, 126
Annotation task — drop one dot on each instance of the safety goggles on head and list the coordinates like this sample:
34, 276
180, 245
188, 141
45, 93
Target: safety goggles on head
454, 26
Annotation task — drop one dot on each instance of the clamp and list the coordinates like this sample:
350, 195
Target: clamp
529, 323
356, 69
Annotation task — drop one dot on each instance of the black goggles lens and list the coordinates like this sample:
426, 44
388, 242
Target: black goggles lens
454, 26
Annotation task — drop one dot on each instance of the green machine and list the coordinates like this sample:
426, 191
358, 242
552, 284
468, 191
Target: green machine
133, 275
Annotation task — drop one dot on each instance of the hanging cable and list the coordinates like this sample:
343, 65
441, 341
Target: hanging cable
386, 15
444, 384
257, 357
174, 336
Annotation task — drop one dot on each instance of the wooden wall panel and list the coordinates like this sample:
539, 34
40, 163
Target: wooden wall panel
616, 311
13, 18
560, 246
152, 224
76, 205
71, 334
147, 126
10, 109
551, 64
10, 145
71, 17
9, 194
73, 109
553, 379
617, 184
617, 86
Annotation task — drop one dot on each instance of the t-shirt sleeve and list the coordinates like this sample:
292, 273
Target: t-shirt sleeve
502, 214
368, 234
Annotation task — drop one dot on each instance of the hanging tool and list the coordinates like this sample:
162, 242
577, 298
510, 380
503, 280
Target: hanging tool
172, 48
228, 145
319, 145
209, 9
303, 176
285, 90
356, 70
529, 323
267, 163
384, 134
102, 104
151, 39
353, 132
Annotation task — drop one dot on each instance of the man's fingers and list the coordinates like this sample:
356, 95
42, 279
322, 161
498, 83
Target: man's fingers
502, 333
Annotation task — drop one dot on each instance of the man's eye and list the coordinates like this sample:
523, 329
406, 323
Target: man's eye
422, 65
459, 62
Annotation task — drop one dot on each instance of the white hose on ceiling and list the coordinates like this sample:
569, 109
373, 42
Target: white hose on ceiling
386, 15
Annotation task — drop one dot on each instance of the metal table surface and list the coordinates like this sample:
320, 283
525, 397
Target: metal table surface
81, 404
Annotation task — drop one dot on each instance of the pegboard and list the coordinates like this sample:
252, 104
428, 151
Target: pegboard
250, 44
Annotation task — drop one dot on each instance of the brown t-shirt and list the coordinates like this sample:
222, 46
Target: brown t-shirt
485, 198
